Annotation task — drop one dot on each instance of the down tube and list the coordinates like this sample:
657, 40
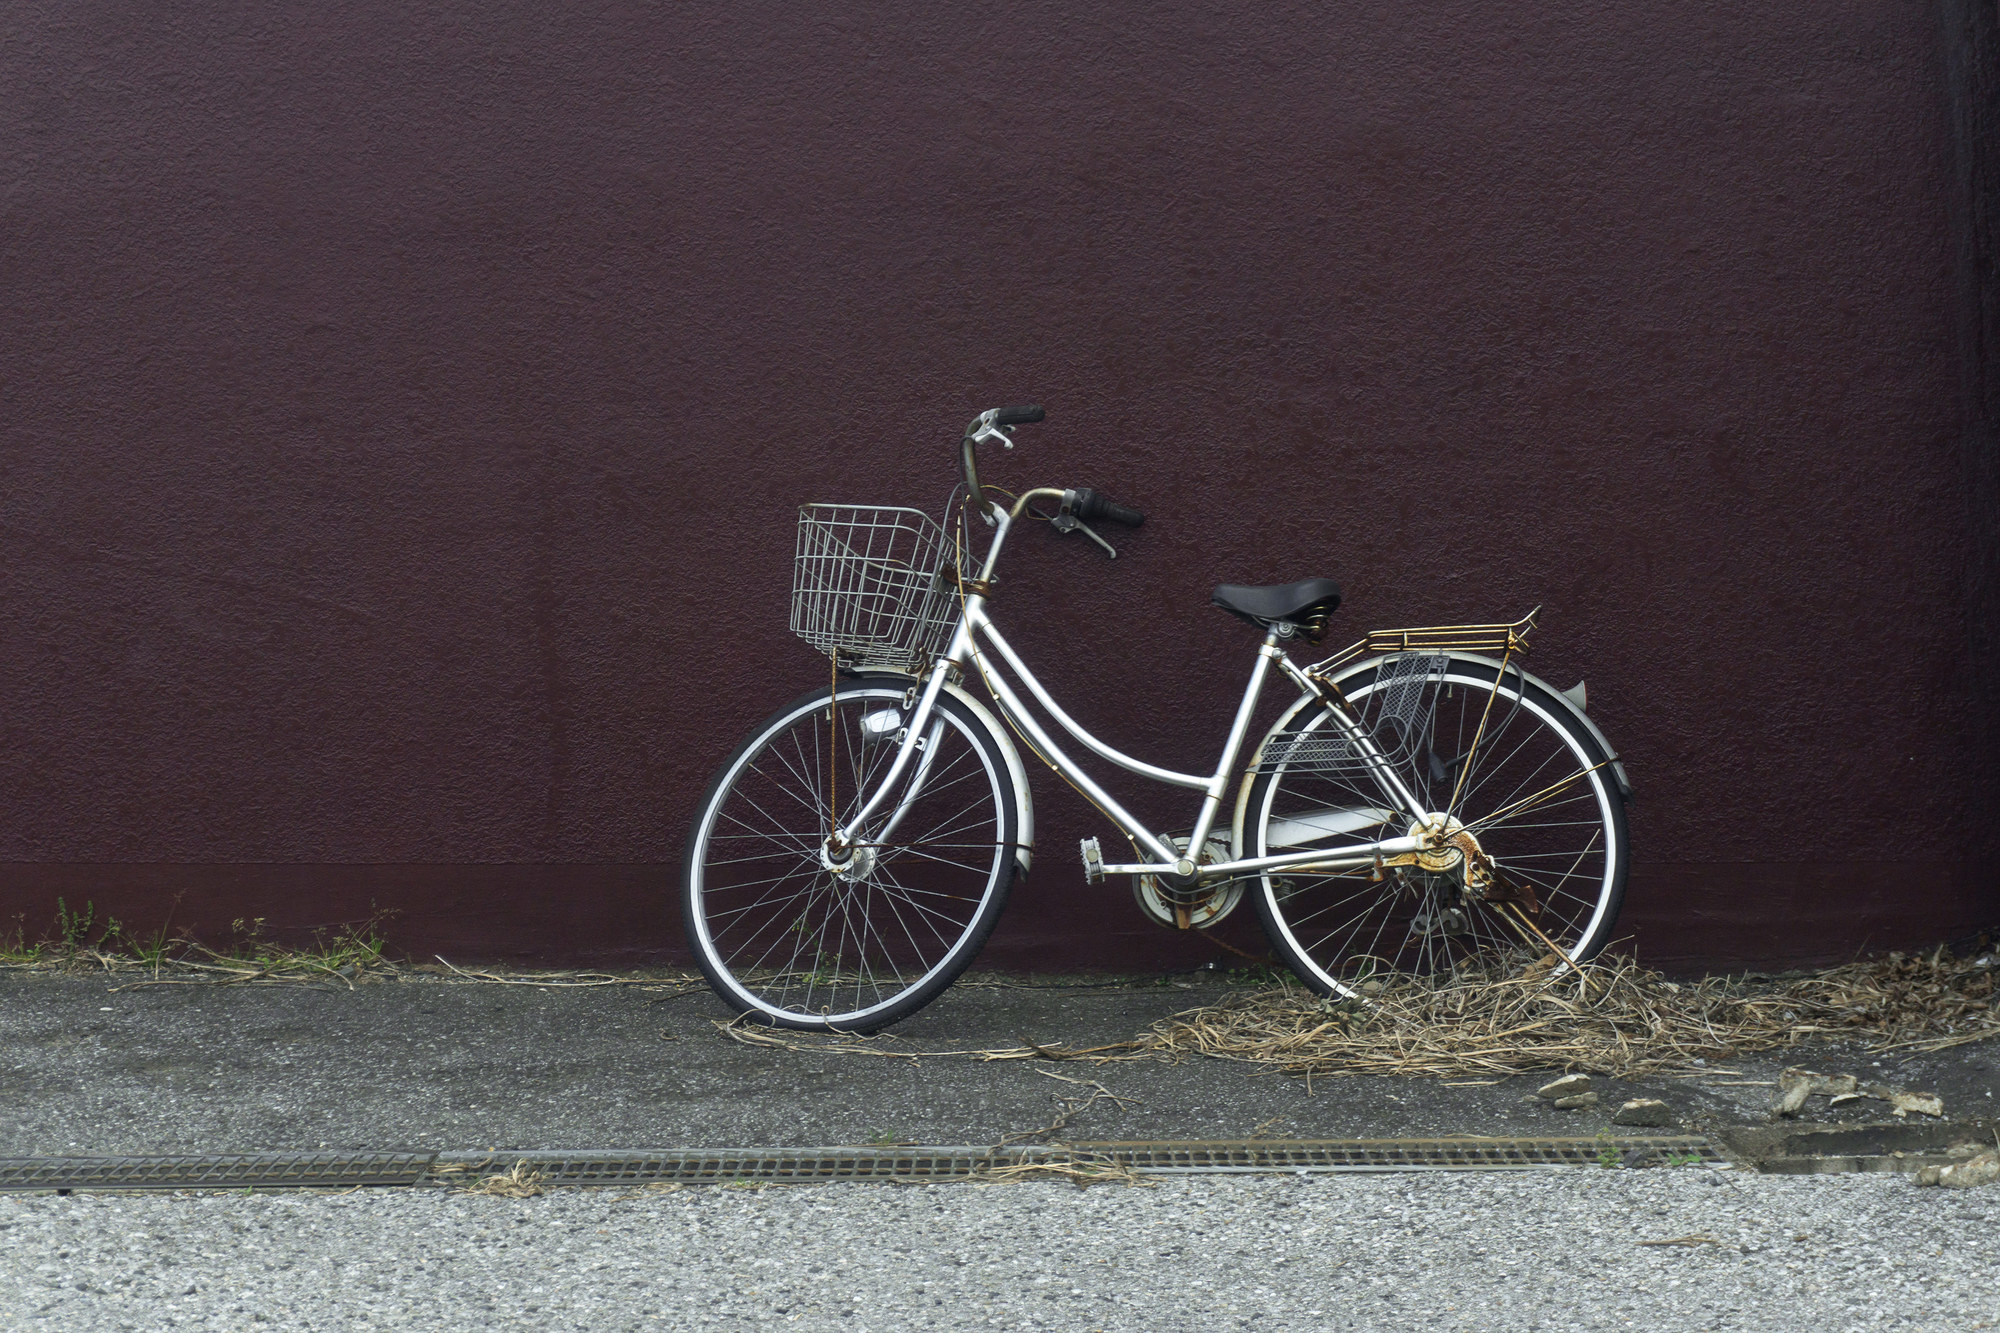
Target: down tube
1018, 714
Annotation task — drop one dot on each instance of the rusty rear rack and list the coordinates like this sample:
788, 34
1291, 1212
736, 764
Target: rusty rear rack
1508, 639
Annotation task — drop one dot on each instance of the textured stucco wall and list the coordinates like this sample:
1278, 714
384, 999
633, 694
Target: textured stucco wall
402, 414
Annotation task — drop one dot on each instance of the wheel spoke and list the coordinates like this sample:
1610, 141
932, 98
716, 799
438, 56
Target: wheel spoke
847, 947
1534, 803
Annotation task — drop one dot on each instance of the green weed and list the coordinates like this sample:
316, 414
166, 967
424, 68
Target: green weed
15, 950
73, 928
78, 939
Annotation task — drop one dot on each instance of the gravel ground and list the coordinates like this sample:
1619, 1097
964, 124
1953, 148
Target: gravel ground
1548, 1250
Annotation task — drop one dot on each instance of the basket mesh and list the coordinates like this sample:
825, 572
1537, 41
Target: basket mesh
874, 584
1396, 712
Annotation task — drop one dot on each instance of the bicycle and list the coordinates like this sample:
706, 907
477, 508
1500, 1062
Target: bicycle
1422, 804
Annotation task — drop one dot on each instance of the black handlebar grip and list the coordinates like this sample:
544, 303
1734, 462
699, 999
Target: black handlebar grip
1025, 415
1117, 513
1090, 506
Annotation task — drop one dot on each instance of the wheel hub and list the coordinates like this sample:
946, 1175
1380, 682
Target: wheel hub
852, 864
1450, 849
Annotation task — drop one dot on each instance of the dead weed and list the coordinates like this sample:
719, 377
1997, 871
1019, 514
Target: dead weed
1614, 1018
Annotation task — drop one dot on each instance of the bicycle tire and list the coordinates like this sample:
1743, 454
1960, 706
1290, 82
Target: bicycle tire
785, 939
1570, 850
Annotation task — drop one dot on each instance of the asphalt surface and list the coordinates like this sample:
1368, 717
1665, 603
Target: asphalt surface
89, 1065
86, 1068
1561, 1250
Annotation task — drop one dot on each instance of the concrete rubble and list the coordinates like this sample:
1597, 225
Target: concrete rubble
1571, 1092
1646, 1111
1796, 1086
1982, 1169
1569, 1085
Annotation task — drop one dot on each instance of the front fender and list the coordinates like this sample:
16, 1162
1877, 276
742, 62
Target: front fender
1017, 772
1024, 853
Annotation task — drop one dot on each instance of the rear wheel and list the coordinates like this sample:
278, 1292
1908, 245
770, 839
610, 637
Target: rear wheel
792, 932
1535, 794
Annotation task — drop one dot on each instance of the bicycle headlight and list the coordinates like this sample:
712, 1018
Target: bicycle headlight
884, 725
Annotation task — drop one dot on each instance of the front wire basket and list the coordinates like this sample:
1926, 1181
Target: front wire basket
876, 585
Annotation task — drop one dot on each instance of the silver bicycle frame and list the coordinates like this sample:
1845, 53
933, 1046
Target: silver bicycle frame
976, 625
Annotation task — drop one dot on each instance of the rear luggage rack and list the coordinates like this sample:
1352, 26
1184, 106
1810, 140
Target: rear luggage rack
1509, 639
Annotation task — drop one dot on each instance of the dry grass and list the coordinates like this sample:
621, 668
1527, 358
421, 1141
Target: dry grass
1068, 1108
330, 957
1612, 1018
1615, 1019
1080, 1169
680, 983
882, 1045
520, 1181
651, 1188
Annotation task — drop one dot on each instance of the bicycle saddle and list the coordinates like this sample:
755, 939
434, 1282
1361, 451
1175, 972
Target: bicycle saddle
1305, 605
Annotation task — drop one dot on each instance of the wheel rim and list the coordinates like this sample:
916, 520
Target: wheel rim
1563, 847
794, 933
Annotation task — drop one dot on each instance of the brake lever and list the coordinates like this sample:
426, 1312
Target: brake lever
988, 431
1066, 522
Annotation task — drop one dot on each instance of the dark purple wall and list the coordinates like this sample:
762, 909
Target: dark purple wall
402, 416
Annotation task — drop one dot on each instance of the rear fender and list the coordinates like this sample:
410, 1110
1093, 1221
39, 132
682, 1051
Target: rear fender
1236, 831
1575, 711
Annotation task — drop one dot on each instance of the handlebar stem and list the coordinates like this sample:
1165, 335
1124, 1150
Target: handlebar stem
980, 430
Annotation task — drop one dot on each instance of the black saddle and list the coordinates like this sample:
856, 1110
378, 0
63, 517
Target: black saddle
1304, 606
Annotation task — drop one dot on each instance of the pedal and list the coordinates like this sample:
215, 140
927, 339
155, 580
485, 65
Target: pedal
1093, 862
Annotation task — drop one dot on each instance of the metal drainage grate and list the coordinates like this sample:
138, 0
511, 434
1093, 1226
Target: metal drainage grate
699, 1165
716, 1165
288, 1170
1464, 1154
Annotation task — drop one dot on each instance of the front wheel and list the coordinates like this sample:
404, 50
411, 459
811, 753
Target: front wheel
797, 934
1537, 885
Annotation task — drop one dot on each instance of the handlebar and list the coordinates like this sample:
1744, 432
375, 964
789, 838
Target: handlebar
990, 425
1091, 506
1084, 504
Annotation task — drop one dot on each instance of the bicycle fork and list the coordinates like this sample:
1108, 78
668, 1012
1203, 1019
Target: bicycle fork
922, 732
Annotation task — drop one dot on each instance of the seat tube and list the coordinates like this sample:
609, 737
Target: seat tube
1211, 805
